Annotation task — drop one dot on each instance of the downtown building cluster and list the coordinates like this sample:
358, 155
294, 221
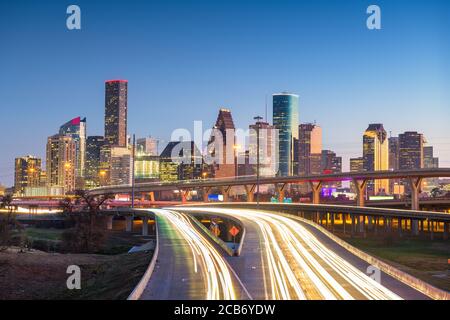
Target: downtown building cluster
75, 160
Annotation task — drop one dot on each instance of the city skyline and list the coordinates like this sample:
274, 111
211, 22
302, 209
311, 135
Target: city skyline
386, 83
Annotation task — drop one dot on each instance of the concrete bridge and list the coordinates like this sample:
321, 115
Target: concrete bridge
360, 180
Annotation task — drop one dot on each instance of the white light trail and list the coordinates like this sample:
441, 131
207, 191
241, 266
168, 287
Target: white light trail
219, 283
300, 266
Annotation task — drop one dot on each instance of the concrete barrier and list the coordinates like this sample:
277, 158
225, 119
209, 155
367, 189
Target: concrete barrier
415, 283
139, 289
213, 237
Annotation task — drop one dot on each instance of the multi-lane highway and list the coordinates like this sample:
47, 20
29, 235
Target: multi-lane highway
283, 258
188, 266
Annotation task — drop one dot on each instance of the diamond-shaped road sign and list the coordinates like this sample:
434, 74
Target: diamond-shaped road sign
233, 231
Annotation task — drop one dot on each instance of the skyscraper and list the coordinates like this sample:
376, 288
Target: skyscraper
357, 164
430, 162
376, 156
330, 163
394, 148
116, 95
309, 149
76, 129
148, 146
27, 173
268, 149
285, 119
61, 162
221, 146
92, 166
180, 160
410, 150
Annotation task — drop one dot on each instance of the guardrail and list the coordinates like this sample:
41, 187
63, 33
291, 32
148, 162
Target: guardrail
216, 239
140, 287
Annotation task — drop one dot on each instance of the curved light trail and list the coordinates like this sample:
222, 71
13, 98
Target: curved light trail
218, 279
300, 266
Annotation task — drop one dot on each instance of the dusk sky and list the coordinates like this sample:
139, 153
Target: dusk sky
186, 59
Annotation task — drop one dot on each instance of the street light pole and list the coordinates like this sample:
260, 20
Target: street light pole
133, 154
258, 124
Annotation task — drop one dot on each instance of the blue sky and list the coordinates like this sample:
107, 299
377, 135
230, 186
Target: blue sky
186, 59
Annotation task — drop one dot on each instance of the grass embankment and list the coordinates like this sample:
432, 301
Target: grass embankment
422, 258
110, 273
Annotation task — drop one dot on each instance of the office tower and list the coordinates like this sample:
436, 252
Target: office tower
285, 119
330, 162
410, 150
221, 146
376, 156
430, 162
395, 185
268, 149
394, 153
180, 160
357, 164
92, 167
148, 146
116, 92
146, 167
27, 173
120, 166
61, 162
76, 129
309, 149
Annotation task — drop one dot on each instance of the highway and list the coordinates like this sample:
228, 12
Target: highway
188, 265
283, 258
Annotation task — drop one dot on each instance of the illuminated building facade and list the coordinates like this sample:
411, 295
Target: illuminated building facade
309, 149
410, 150
61, 162
94, 145
180, 160
268, 149
221, 146
376, 156
27, 173
76, 129
285, 119
116, 95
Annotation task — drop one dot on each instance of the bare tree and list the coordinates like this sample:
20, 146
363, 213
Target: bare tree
7, 222
88, 233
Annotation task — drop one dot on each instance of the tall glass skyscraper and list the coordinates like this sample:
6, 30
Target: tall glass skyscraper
285, 119
116, 95
76, 129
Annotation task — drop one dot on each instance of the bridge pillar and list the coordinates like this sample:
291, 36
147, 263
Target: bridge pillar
206, 192
360, 186
316, 188
226, 193
250, 191
416, 186
109, 222
129, 223
145, 226
446, 227
362, 221
415, 227
400, 226
281, 190
353, 225
184, 195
